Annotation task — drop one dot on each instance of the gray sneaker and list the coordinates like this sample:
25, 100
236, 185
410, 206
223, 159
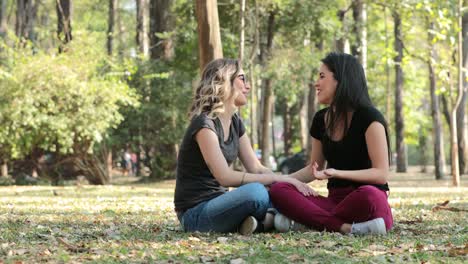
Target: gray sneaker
372, 227
284, 224
248, 226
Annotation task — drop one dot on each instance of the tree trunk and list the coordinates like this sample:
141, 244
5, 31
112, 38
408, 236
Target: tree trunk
304, 117
161, 22
26, 13
342, 42
312, 109
422, 150
3, 18
111, 23
268, 96
439, 156
462, 132
4, 169
142, 26
453, 120
388, 105
209, 37
242, 30
399, 120
64, 29
359, 49
287, 129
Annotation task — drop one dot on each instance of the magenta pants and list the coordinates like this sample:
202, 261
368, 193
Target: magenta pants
343, 205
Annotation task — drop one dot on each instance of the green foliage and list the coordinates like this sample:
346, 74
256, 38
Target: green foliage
60, 103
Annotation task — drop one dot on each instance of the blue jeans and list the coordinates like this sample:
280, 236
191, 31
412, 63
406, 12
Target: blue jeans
226, 212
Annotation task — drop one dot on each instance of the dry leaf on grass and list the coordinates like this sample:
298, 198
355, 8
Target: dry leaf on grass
71, 247
237, 261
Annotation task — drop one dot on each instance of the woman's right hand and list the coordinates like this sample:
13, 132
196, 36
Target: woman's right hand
303, 188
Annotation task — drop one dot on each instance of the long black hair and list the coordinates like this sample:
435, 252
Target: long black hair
351, 90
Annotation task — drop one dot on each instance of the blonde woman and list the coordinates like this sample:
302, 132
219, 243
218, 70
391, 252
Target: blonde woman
213, 140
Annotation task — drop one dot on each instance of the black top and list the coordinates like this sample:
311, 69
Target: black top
349, 153
194, 181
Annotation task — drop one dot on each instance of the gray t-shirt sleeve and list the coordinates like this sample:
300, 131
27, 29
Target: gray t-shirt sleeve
199, 122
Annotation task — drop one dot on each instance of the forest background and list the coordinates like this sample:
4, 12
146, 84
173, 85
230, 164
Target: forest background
82, 81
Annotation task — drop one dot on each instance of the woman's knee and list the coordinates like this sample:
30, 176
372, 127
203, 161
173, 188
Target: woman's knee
371, 193
279, 187
255, 192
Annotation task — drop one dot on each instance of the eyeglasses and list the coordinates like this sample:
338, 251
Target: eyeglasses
241, 77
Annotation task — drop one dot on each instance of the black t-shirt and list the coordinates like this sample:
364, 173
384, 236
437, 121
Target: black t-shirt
194, 182
349, 153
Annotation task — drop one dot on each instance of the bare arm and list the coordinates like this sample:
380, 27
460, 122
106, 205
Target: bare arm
378, 153
214, 158
248, 157
305, 174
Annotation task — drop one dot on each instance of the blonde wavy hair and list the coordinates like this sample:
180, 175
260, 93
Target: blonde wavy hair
215, 87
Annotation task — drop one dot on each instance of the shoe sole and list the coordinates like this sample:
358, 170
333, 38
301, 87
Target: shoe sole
248, 226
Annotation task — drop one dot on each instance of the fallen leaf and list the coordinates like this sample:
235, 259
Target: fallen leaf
295, 258
222, 240
237, 261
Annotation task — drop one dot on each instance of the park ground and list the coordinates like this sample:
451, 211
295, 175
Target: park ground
130, 222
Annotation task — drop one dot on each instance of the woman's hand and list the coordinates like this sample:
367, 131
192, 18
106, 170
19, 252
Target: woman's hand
323, 174
303, 188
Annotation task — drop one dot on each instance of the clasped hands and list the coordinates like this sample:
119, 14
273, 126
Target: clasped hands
322, 174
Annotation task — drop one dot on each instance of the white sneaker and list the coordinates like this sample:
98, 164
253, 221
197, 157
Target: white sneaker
248, 226
372, 227
284, 224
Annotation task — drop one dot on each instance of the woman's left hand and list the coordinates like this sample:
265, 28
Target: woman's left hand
303, 188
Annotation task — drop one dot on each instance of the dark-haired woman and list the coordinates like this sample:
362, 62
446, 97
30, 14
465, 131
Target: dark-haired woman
350, 138
214, 138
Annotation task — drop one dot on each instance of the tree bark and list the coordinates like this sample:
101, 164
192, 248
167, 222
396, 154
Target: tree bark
401, 161
161, 22
312, 109
4, 169
111, 23
64, 29
142, 26
26, 12
209, 37
342, 42
242, 30
287, 129
453, 120
359, 48
304, 117
268, 96
3, 18
439, 156
462, 132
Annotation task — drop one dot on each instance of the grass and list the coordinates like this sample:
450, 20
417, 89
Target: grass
136, 223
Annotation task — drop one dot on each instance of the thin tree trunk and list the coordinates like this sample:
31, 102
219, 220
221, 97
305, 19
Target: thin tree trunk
462, 132
268, 96
111, 23
388, 105
26, 12
209, 37
4, 169
64, 29
359, 48
3, 18
399, 119
422, 150
453, 120
304, 117
242, 30
287, 129
142, 26
161, 21
312, 109
342, 42
439, 156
